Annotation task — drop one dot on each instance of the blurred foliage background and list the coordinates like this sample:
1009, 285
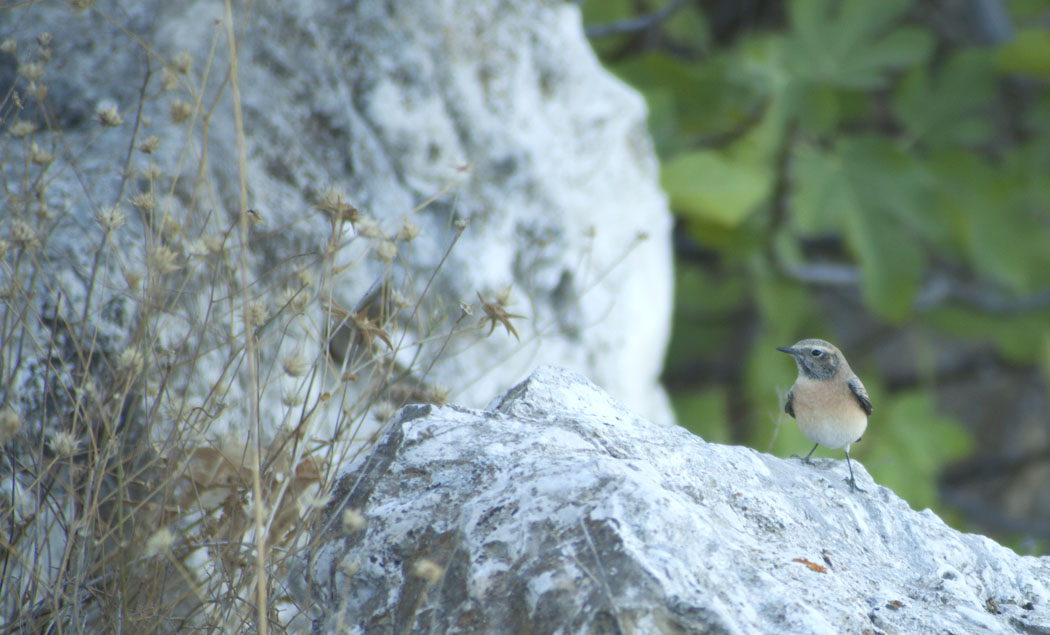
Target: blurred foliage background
874, 173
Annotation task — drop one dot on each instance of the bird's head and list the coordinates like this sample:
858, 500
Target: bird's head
816, 359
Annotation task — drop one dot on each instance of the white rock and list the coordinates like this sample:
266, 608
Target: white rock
557, 510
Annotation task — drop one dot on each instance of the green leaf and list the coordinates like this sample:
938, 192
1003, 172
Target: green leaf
871, 192
846, 44
1027, 53
1004, 239
947, 110
708, 186
910, 442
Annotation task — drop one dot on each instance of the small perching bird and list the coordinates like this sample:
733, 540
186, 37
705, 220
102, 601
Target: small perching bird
827, 400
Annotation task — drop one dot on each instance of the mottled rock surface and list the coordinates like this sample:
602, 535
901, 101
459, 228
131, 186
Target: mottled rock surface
557, 510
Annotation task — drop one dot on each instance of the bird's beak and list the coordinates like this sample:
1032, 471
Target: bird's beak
786, 349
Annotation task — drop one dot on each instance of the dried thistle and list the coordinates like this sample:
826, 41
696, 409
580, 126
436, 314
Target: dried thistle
23, 235
162, 259
255, 313
497, 314
10, 423
182, 62
38, 155
21, 128
354, 520
32, 71
150, 144
131, 361
144, 202
63, 443
428, 570
180, 111
169, 81
385, 251
112, 218
108, 116
160, 542
295, 365
333, 203
408, 231
436, 394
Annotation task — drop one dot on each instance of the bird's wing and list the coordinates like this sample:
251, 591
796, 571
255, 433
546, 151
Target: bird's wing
858, 391
789, 403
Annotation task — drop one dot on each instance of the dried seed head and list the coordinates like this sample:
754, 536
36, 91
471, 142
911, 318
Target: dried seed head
160, 542
32, 71
182, 62
385, 251
112, 218
354, 520
170, 228
108, 116
130, 361
38, 155
144, 202
161, 259
197, 248
150, 144
10, 424
295, 365
333, 203
384, 411
408, 231
8, 46
44, 39
399, 300
180, 111
133, 277
291, 398
38, 90
428, 570
23, 234
437, 394
21, 128
368, 227
169, 81
255, 313
63, 443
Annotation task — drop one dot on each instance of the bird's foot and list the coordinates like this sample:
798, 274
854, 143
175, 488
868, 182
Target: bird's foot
853, 485
804, 459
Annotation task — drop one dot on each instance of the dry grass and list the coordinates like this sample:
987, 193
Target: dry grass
146, 486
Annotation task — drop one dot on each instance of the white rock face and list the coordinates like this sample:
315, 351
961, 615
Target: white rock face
557, 510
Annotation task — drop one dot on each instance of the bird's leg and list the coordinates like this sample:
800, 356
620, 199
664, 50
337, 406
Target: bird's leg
805, 459
852, 483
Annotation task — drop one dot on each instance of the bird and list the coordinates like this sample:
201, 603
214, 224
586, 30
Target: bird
827, 400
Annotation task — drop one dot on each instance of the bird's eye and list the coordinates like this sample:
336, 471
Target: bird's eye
817, 352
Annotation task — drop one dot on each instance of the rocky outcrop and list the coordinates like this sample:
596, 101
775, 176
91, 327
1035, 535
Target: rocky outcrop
557, 510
